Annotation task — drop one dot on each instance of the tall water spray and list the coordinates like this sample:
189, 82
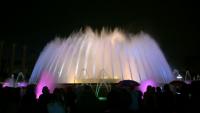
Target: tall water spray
90, 57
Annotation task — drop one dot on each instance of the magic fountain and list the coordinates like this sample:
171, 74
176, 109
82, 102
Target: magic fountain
90, 57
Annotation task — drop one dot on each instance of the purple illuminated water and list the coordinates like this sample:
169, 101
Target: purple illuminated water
82, 57
11, 82
144, 84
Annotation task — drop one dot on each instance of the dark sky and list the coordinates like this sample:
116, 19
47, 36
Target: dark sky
173, 24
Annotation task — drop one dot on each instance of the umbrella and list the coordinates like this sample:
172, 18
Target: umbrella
128, 83
178, 83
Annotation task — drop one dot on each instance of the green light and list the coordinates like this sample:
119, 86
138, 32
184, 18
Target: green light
102, 98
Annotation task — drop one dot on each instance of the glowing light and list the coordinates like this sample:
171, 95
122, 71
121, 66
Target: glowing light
46, 80
144, 84
19, 82
83, 55
179, 77
22, 84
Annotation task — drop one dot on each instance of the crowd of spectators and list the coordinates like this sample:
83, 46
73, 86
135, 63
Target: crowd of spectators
165, 99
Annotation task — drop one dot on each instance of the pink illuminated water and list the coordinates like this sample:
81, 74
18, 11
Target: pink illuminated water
46, 80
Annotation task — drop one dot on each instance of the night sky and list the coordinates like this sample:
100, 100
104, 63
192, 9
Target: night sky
173, 24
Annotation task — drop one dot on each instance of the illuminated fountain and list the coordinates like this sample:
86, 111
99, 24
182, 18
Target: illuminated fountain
19, 82
10, 82
82, 56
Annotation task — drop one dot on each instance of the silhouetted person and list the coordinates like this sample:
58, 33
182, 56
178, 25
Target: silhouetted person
195, 96
56, 104
159, 99
44, 99
1, 98
149, 100
29, 103
168, 99
70, 99
87, 102
136, 97
119, 101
